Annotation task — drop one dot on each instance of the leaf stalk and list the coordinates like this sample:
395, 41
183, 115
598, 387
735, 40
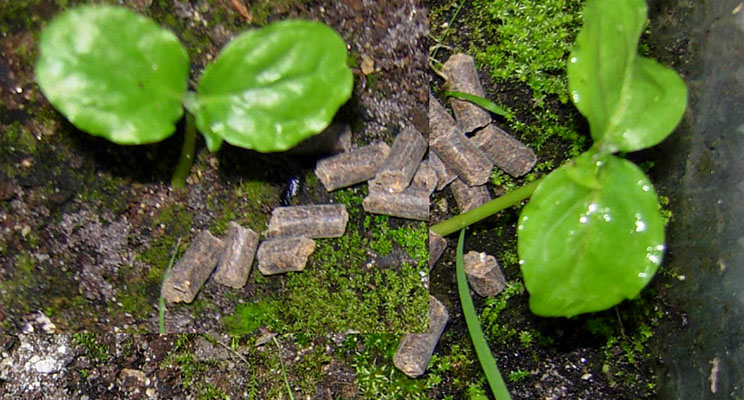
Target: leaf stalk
464, 220
187, 154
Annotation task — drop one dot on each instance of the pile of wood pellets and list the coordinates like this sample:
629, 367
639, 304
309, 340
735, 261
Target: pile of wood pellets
463, 151
399, 185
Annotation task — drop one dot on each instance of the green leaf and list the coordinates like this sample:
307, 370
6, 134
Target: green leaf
113, 73
584, 248
481, 102
271, 88
631, 102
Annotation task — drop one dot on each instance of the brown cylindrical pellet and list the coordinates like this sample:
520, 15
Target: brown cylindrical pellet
437, 244
463, 77
505, 151
440, 122
193, 269
461, 155
313, 221
425, 178
468, 197
484, 273
352, 167
445, 175
237, 256
405, 155
415, 349
411, 204
278, 256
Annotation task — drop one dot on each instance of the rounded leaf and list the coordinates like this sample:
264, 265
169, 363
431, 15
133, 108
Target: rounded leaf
113, 73
585, 248
271, 88
630, 101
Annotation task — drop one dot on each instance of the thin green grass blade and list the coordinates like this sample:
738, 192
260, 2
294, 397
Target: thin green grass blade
284, 371
161, 304
480, 102
488, 363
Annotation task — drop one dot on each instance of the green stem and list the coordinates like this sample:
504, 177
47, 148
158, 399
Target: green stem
187, 154
487, 362
458, 222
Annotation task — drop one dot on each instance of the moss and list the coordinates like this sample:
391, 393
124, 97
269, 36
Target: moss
453, 370
263, 9
95, 350
371, 358
249, 316
414, 240
527, 40
15, 287
496, 329
248, 204
626, 335
18, 15
207, 391
17, 137
338, 292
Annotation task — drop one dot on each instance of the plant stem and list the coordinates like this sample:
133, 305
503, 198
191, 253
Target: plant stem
187, 153
458, 222
487, 362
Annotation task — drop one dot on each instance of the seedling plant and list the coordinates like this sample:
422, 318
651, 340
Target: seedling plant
119, 75
592, 233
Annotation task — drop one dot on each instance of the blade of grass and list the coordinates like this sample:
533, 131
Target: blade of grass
449, 28
161, 302
480, 102
284, 371
487, 362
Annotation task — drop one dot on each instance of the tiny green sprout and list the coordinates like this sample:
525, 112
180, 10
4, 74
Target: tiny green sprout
518, 375
592, 234
525, 338
119, 75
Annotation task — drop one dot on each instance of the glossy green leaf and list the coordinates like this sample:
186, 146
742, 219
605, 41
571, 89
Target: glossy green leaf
113, 73
630, 101
585, 248
271, 88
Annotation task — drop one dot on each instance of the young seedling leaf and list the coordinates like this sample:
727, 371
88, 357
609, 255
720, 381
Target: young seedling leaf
630, 101
481, 102
113, 73
585, 248
271, 88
